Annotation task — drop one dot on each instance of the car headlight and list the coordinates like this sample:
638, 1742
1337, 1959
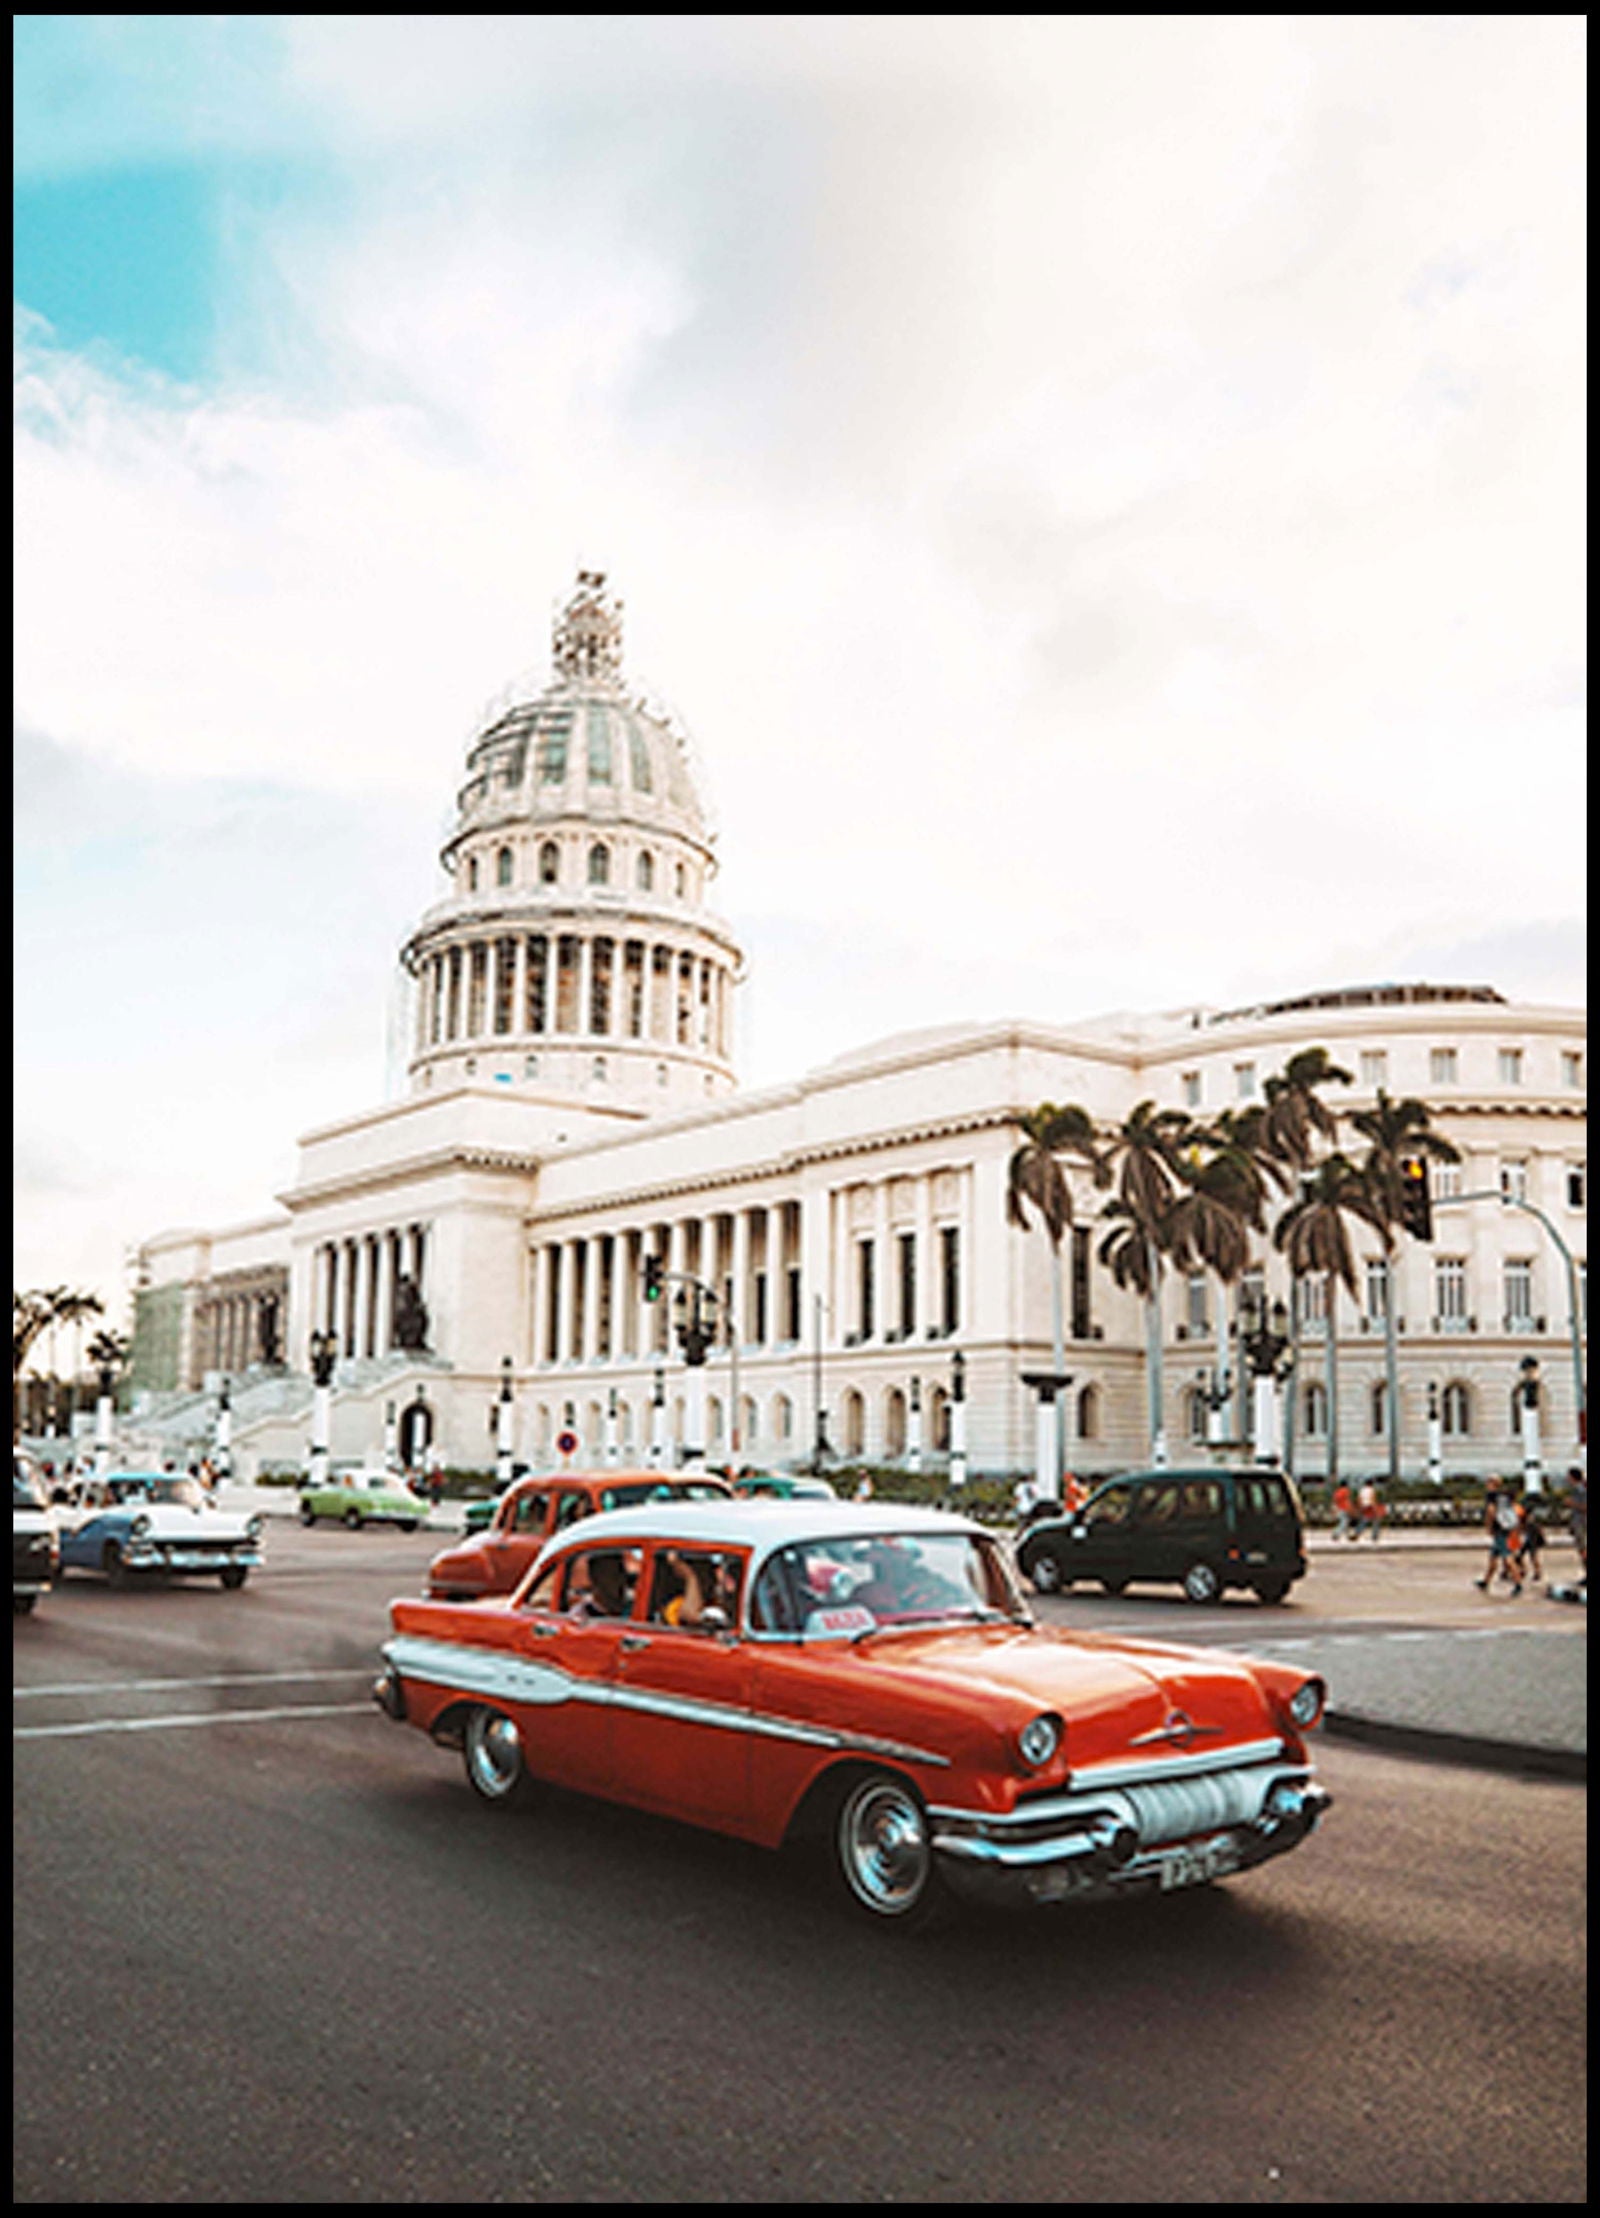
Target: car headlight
255, 1527
138, 1529
1039, 1740
1305, 1704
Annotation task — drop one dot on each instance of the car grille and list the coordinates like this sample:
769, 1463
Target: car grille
1172, 1809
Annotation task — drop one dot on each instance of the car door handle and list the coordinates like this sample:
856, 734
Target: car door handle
630, 1643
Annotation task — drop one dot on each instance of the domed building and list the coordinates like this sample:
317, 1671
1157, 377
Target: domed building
473, 1254
575, 952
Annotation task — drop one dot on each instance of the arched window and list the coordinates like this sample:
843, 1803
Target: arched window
599, 864
503, 866
895, 1423
853, 1423
680, 880
1377, 1406
645, 872
549, 863
1089, 1413
472, 874
939, 1419
783, 1417
1314, 1410
1455, 1409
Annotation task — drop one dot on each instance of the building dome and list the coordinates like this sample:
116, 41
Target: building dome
575, 952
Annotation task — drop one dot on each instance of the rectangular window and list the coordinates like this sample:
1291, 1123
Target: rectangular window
1244, 1080
1519, 1290
908, 1284
1313, 1300
1442, 1066
1514, 1180
1577, 1185
1511, 1066
477, 987
1082, 1326
1196, 1313
1377, 1294
1446, 1181
950, 1279
1191, 1089
1450, 1289
791, 1317
1374, 1067
865, 1288
1571, 1070
552, 755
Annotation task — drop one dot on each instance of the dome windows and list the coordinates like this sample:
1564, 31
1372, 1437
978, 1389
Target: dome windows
599, 745
472, 874
645, 872
599, 864
549, 863
638, 760
504, 864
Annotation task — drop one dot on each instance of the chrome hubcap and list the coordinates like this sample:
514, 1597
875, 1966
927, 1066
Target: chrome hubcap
885, 1845
496, 1755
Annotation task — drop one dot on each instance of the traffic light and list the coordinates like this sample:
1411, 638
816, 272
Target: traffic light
652, 1278
1416, 1207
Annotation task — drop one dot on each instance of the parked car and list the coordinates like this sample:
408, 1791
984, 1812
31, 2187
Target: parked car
360, 1498
782, 1486
527, 1513
870, 1677
131, 1522
1205, 1531
35, 1543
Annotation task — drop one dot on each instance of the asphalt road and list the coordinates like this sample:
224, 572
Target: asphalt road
267, 1948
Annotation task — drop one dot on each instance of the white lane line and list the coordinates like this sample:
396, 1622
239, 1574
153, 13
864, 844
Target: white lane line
156, 1686
205, 1717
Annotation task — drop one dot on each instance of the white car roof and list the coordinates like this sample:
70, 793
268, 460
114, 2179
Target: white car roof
760, 1526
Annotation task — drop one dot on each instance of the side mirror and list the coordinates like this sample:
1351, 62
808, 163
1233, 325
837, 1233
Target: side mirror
714, 1619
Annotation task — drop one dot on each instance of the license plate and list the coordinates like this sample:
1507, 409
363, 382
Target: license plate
1198, 1861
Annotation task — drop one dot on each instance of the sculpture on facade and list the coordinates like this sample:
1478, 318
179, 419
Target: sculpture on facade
410, 1316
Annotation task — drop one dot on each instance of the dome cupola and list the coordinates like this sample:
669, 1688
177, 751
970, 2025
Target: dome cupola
575, 952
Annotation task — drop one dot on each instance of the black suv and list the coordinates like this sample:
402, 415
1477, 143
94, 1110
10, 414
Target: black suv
1203, 1530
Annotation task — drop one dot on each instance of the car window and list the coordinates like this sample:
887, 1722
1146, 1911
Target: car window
857, 1582
529, 1514
1113, 1507
1158, 1505
686, 1582
542, 1594
1200, 1501
1264, 1497
570, 1508
602, 1582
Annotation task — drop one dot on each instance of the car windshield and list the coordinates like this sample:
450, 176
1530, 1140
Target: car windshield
855, 1584
187, 1493
662, 1490
27, 1491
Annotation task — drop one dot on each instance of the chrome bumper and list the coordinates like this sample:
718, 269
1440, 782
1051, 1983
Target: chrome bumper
1087, 1847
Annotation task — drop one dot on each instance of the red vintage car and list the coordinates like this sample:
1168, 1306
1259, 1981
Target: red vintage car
869, 1676
497, 1559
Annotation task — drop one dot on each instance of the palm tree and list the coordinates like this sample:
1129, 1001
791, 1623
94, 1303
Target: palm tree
1295, 1115
1209, 1226
1147, 1155
1036, 1181
1313, 1235
1396, 1132
32, 1314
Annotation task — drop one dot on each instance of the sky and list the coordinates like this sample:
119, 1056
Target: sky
1102, 492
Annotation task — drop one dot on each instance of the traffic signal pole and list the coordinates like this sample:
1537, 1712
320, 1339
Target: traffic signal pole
1580, 1405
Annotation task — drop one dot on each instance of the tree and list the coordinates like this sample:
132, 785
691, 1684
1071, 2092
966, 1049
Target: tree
1036, 1182
1313, 1235
1295, 1116
32, 1314
1146, 1157
1396, 1132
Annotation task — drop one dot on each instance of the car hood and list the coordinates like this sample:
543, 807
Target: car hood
1111, 1691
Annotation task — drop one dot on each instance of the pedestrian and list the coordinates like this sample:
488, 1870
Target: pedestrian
1073, 1494
1369, 1505
1578, 1515
1023, 1499
1500, 1522
1344, 1527
1532, 1537
864, 1487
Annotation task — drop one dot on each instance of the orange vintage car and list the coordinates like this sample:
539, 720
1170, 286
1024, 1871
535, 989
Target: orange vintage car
868, 1676
497, 1559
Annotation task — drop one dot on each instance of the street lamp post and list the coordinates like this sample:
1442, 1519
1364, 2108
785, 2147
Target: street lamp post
104, 1405
223, 1450
1051, 1388
1266, 1345
612, 1452
1435, 1435
696, 1303
658, 1419
820, 1450
1528, 1397
914, 1430
324, 1356
958, 1424
505, 1425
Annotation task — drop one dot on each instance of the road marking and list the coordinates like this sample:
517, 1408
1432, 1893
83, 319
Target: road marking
205, 1717
157, 1686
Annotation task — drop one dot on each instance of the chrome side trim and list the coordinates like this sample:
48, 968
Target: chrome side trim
500, 1676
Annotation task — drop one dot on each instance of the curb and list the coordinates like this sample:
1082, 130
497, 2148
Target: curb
1458, 1748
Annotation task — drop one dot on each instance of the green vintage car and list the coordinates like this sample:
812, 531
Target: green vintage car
360, 1498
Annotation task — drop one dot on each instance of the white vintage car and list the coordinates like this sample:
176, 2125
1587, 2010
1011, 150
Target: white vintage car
35, 1550
136, 1521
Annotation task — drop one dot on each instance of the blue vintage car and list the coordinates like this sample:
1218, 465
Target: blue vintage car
145, 1521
